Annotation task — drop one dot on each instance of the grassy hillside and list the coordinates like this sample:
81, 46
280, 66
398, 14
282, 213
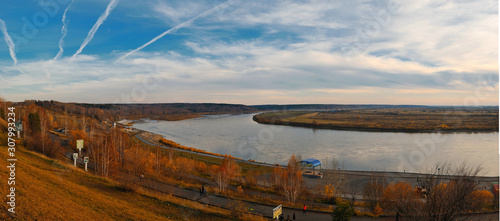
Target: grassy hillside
3, 125
48, 189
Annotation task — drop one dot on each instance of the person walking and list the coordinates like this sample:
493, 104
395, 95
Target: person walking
293, 216
304, 211
203, 190
287, 217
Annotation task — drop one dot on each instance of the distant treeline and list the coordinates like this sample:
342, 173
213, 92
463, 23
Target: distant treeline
364, 106
166, 111
179, 111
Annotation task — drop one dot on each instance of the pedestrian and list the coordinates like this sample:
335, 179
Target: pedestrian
293, 216
281, 217
287, 217
201, 190
397, 216
304, 211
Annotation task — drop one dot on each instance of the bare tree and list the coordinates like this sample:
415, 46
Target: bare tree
103, 154
373, 191
450, 191
333, 177
44, 127
352, 190
170, 154
275, 177
118, 141
84, 124
158, 156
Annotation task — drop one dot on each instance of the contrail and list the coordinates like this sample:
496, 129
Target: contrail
112, 4
8, 40
208, 12
64, 31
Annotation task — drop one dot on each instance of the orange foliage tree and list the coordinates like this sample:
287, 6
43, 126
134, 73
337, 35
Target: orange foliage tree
224, 173
138, 160
481, 199
401, 197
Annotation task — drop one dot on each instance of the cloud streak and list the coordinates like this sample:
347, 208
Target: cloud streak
112, 4
8, 40
64, 31
179, 26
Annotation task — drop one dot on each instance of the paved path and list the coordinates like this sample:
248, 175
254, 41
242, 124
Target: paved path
224, 202
259, 208
253, 207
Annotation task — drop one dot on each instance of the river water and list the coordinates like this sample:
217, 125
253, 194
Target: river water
241, 137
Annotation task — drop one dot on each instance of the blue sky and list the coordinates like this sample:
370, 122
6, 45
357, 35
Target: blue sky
251, 52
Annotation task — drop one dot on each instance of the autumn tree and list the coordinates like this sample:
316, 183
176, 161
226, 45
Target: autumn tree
275, 178
451, 191
224, 173
34, 122
158, 156
373, 191
481, 200
401, 197
119, 140
39, 123
138, 160
3, 108
45, 122
170, 153
333, 180
103, 154
292, 181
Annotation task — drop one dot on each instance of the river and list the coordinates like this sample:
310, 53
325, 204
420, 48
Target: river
241, 137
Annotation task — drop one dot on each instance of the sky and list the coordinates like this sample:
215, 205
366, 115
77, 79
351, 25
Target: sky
424, 52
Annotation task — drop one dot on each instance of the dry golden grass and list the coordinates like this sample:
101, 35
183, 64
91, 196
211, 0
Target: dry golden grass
48, 189
3, 125
411, 120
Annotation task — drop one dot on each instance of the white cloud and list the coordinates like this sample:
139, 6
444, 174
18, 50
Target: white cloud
112, 4
428, 53
8, 41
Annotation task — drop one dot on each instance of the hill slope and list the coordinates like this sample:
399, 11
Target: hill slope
48, 189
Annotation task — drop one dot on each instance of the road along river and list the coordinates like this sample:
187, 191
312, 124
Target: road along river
241, 137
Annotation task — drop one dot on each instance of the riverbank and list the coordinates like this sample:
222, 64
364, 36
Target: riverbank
357, 179
153, 139
391, 120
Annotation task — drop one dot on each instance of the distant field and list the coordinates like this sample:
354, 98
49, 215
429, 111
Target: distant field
397, 120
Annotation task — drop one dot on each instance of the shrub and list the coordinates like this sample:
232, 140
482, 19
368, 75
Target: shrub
343, 211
